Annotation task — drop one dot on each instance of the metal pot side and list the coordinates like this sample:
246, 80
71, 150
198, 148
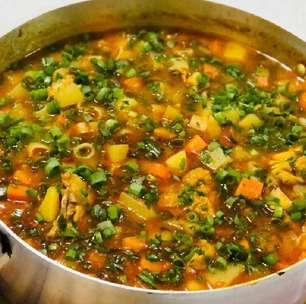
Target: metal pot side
30, 277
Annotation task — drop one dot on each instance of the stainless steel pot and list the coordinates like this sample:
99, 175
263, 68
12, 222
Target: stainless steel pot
27, 276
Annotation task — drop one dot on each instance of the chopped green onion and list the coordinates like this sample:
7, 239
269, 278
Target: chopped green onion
113, 212
97, 178
52, 168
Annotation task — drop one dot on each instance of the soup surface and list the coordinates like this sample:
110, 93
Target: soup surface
156, 159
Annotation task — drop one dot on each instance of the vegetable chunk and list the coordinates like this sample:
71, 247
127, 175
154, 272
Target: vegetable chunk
250, 188
49, 207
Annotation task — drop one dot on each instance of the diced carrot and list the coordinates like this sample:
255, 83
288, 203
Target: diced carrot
245, 244
157, 169
302, 101
210, 70
18, 193
96, 259
153, 266
83, 224
225, 137
133, 243
302, 255
249, 188
216, 47
224, 232
61, 119
262, 76
163, 133
280, 265
27, 177
133, 84
262, 81
157, 112
195, 145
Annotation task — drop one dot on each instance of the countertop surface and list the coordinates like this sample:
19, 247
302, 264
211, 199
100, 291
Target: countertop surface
289, 14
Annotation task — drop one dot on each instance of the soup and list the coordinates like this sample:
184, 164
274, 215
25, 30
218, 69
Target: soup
157, 159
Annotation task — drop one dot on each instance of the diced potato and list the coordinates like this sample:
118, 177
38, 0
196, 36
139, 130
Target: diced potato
240, 154
177, 162
126, 103
213, 128
172, 113
18, 92
206, 122
194, 285
218, 159
117, 153
50, 205
232, 115
223, 278
284, 200
198, 123
235, 52
136, 208
250, 121
68, 94
193, 79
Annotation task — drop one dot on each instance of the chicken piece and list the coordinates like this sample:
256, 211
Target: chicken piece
300, 164
197, 262
78, 191
281, 168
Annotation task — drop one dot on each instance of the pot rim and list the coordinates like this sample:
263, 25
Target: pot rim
6, 230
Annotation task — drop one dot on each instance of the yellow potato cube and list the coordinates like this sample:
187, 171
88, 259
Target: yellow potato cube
235, 52
68, 94
198, 123
250, 121
49, 207
213, 128
284, 200
232, 115
172, 113
136, 207
177, 162
117, 153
